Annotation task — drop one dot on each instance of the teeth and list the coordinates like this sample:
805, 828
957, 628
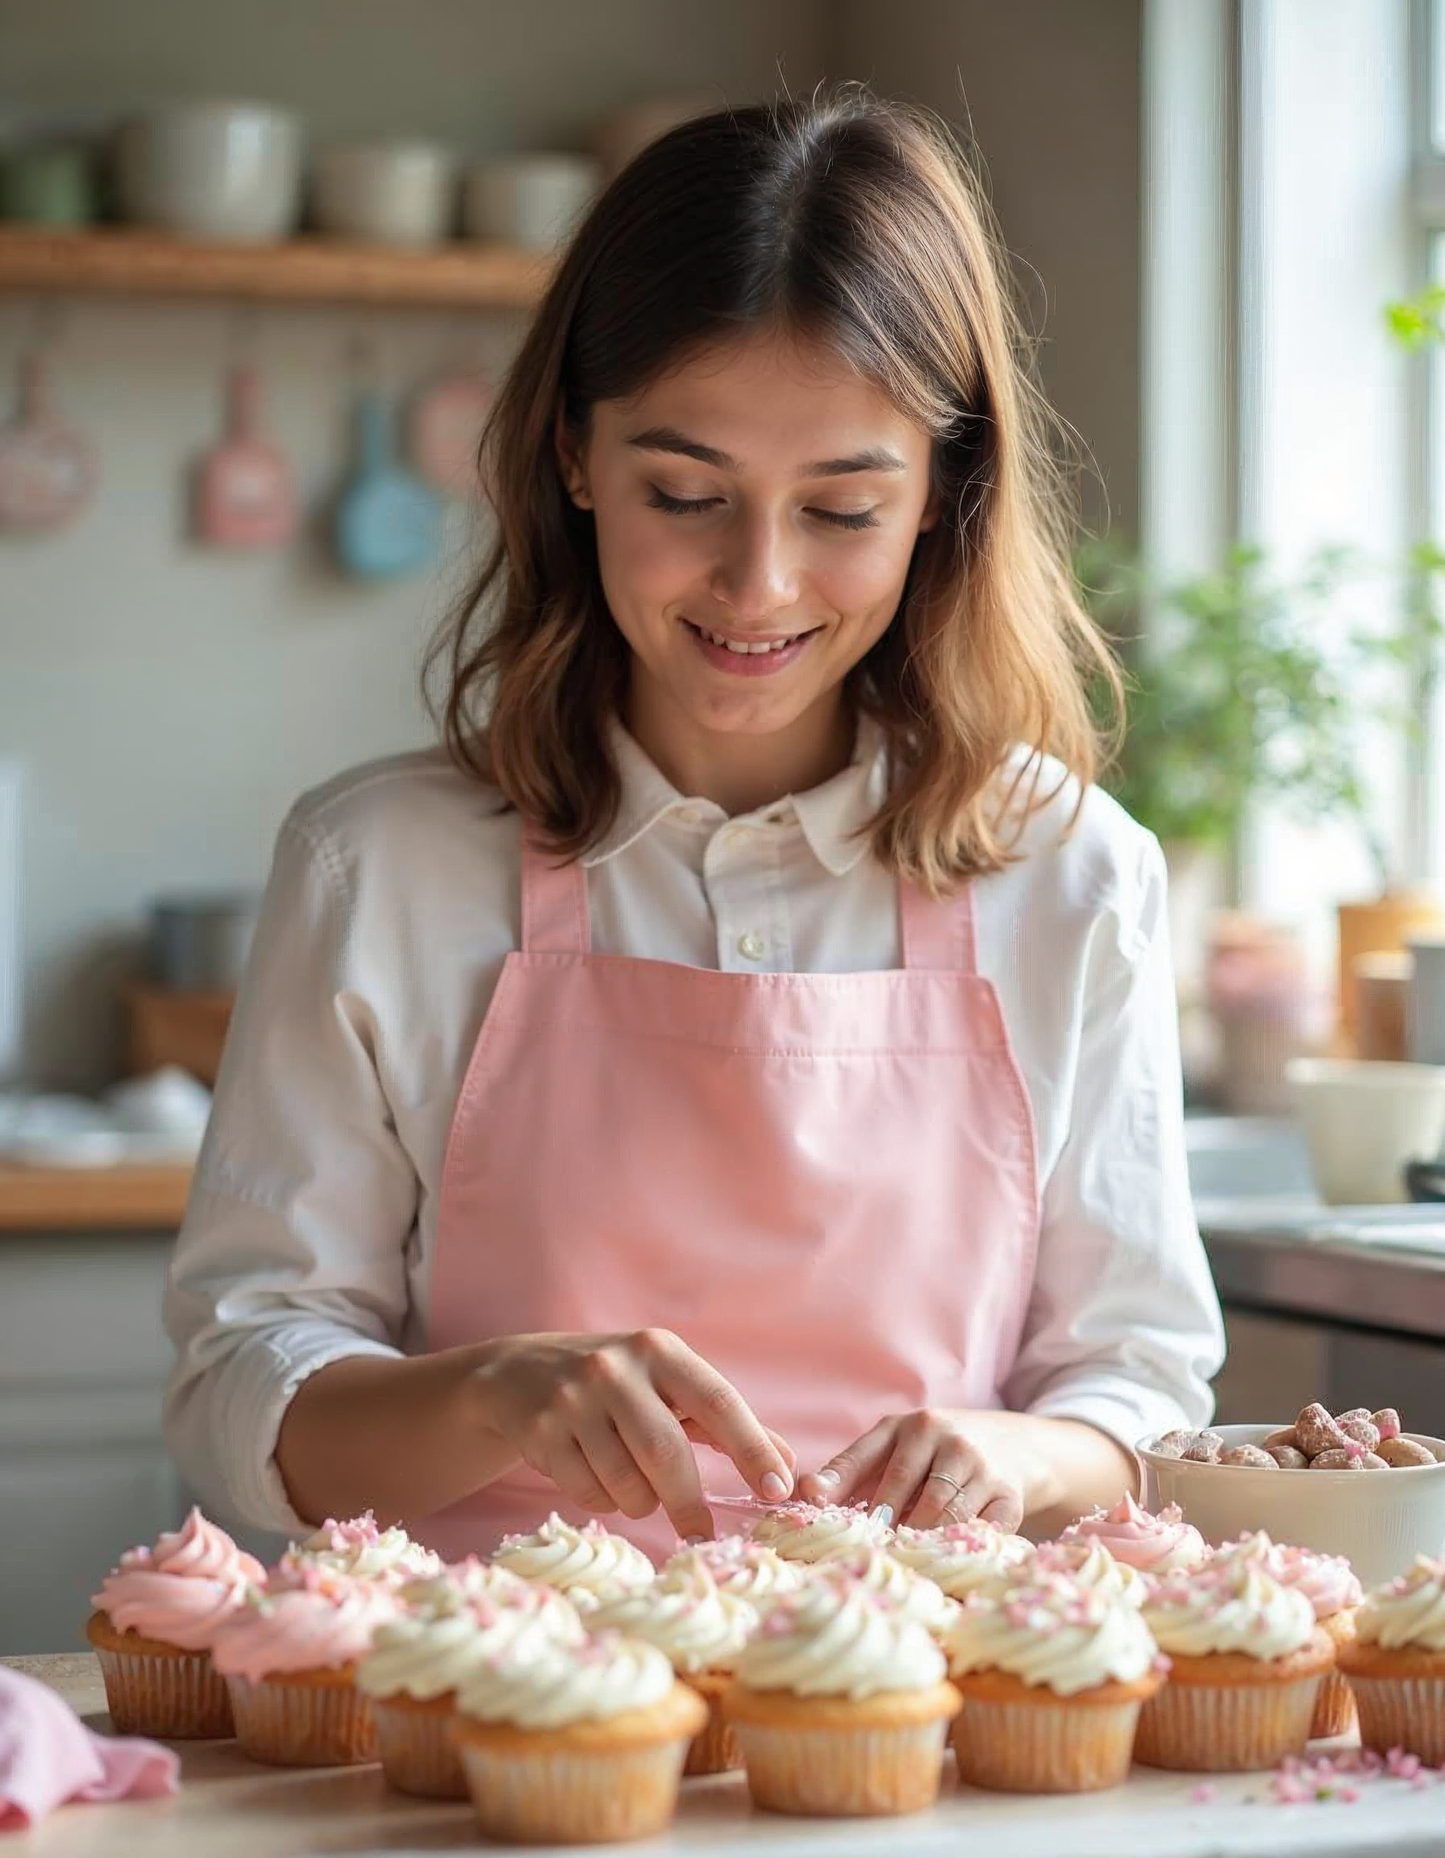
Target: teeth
744, 650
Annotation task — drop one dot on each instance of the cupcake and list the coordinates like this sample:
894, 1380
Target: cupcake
814, 1532
564, 1744
1162, 1544
961, 1557
589, 1564
747, 1570
1053, 1675
288, 1656
884, 1575
1395, 1664
1085, 1561
156, 1617
701, 1630
453, 1624
1246, 1663
840, 1704
1329, 1583
360, 1549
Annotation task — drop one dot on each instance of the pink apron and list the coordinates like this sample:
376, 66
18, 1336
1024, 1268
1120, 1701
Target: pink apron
824, 1183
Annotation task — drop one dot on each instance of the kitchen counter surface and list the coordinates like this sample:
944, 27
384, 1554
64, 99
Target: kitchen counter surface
229, 1808
126, 1199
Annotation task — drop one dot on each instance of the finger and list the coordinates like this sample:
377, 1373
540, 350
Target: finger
983, 1491
700, 1436
854, 1470
657, 1444
614, 1465
698, 1392
914, 1455
558, 1457
946, 1479
1007, 1510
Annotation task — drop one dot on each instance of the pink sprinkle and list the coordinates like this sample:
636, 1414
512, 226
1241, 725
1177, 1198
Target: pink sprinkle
1290, 1792
1401, 1765
1349, 1795
1203, 1795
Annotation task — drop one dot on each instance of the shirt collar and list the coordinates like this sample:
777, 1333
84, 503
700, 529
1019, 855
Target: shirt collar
831, 816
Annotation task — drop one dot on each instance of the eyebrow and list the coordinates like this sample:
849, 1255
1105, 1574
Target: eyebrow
669, 439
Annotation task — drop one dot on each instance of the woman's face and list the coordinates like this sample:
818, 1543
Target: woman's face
756, 512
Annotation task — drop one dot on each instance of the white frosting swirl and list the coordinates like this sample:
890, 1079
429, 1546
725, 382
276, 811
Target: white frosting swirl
589, 1560
431, 1657
688, 1617
1409, 1611
803, 1532
1088, 1563
835, 1639
961, 1557
748, 1570
1228, 1606
1052, 1631
474, 1585
883, 1575
1328, 1582
360, 1549
543, 1685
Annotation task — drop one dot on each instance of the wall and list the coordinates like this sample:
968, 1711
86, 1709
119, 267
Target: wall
1051, 89
166, 704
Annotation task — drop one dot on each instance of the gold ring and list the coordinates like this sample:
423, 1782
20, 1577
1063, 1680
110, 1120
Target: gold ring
944, 1478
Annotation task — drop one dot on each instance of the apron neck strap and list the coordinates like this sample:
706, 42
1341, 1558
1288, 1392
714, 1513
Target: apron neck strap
937, 932
554, 902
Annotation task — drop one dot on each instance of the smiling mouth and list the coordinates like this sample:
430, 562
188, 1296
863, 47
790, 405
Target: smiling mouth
749, 648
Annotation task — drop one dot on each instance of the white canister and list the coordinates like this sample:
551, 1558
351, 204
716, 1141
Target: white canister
1425, 1004
225, 171
388, 193
530, 200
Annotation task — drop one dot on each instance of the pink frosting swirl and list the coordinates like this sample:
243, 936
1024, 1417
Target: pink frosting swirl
306, 1619
1159, 1544
1328, 1582
182, 1590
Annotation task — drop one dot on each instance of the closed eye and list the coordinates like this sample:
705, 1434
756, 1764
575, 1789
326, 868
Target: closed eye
695, 506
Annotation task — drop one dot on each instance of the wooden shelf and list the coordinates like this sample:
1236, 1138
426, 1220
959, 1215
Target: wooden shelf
117, 262
92, 1199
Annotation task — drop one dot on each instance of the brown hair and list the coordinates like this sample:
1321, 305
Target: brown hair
858, 223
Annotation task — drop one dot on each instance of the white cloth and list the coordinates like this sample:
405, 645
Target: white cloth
393, 901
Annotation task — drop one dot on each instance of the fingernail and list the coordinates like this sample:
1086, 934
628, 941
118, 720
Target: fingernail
774, 1488
826, 1477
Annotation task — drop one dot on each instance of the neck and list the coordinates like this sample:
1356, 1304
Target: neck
737, 771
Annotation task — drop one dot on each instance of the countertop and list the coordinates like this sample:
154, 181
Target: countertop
229, 1808
92, 1199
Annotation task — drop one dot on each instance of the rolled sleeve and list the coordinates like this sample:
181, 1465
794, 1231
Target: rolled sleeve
1123, 1330
292, 1252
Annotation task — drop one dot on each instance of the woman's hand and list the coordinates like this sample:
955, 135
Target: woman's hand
608, 1419
933, 1466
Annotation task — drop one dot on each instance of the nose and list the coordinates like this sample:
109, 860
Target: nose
755, 576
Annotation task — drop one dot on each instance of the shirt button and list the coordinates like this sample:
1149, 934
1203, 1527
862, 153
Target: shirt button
751, 946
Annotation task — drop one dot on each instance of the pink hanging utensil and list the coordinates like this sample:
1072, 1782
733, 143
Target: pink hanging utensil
48, 470
245, 490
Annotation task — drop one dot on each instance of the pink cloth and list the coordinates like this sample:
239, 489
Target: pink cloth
824, 1183
48, 1756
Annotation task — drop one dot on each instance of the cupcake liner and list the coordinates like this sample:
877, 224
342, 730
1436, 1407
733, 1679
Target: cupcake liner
417, 1754
1226, 1728
1402, 1712
1334, 1706
178, 1697
563, 1796
1046, 1745
302, 1724
714, 1749
837, 1771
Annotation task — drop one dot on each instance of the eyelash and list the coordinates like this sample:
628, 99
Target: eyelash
685, 506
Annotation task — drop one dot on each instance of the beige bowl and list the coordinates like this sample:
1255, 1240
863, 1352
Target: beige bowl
1380, 1519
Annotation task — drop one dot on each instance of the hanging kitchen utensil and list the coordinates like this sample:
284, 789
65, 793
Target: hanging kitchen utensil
48, 470
245, 490
444, 428
388, 522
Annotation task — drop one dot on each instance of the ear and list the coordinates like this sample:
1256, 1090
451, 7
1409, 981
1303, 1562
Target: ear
570, 462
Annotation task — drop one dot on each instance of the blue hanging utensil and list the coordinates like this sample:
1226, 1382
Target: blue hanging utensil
387, 522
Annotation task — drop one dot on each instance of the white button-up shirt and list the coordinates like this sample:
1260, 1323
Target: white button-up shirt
394, 900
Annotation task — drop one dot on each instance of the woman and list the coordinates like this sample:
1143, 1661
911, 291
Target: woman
755, 1034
